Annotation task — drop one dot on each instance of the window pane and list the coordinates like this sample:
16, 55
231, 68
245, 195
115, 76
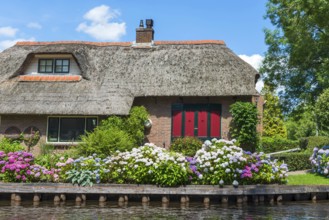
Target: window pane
65, 69
62, 66
49, 69
53, 125
45, 66
58, 69
71, 129
42, 69
91, 124
66, 62
58, 62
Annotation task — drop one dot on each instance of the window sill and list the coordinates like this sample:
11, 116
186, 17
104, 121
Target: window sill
50, 78
63, 143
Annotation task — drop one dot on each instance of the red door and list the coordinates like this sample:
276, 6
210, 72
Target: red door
202, 123
189, 123
177, 123
215, 123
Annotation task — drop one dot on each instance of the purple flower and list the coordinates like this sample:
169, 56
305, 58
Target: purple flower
18, 177
11, 159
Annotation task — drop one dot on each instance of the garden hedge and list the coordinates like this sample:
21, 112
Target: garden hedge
311, 142
274, 144
295, 160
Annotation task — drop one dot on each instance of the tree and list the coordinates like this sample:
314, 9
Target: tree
243, 126
302, 126
273, 124
298, 50
322, 110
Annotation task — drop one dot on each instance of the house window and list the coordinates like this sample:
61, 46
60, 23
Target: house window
45, 66
69, 129
62, 65
196, 120
54, 66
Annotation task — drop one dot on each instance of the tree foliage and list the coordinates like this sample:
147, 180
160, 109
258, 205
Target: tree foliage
298, 49
244, 124
273, 124
322, 110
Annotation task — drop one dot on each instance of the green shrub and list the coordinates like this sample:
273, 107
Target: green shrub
47, 160
243, 125
315, 141
274, 144
105, 142
295, 160
46, 149
8, 145
188, 146
115, 133
133, 125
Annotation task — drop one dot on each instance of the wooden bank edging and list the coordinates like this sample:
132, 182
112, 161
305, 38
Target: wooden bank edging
124, 189
255, 192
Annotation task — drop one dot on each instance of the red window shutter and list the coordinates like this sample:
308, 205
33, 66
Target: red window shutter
215, 123
202, 123
177, 123
189, 123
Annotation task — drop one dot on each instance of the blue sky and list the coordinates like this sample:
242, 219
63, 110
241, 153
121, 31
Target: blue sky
239, 23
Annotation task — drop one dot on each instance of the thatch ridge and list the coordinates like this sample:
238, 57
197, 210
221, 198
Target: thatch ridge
114, 75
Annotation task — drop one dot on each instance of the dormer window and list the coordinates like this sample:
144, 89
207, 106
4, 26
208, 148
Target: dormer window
54, 66
51, 68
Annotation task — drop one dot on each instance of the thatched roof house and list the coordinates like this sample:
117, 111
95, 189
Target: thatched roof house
100, 79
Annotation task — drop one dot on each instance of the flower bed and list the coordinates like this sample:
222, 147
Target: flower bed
320, 161
218, 162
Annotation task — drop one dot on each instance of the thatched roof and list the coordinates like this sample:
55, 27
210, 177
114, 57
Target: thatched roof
113, 74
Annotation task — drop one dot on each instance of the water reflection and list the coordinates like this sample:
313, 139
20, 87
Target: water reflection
155, 210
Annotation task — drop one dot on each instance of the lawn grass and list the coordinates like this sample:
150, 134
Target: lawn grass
307, 179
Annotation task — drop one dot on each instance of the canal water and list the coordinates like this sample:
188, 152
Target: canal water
94, 211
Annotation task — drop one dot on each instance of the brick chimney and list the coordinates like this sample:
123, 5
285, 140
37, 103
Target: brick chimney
145, 34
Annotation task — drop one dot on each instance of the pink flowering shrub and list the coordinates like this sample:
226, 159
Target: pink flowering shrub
19, 167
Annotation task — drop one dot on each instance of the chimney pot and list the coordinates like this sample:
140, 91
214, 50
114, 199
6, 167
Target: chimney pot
141, 24
149, 23
145, 35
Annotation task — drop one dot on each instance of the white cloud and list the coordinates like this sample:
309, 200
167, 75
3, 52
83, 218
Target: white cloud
259, 85
34, 25
255, 61
101, 27
8, 43
8, 31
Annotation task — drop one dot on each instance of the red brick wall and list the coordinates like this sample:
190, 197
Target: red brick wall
24, 121
160, 114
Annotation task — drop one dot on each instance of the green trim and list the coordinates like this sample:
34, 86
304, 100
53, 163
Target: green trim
39, 64
68, 66
59, 126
